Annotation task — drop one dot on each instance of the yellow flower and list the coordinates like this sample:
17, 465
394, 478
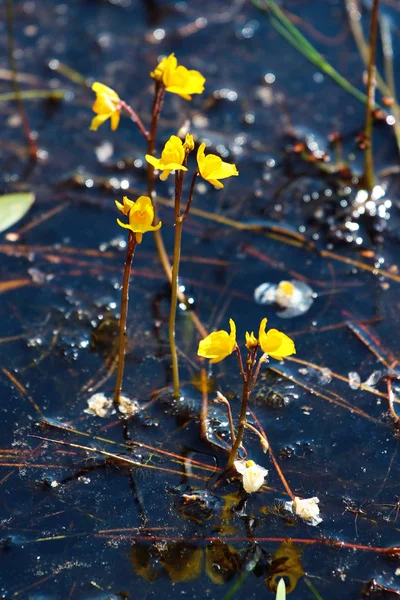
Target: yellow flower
219, 344
178, 79
188, 143
140, 214
172, 157
212, 167
251, 340
106, 106
275, 343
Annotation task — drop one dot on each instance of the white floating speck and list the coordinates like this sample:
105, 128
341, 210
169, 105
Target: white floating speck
354, 380
127, 406
99, 405
373, 379
295, 297
305, 508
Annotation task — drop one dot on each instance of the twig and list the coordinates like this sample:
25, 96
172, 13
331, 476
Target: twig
369, 177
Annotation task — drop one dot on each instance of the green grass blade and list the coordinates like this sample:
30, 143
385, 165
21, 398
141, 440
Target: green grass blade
312, 588
292, 35
34, 95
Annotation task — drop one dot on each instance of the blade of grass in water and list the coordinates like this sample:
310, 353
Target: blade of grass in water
34, 95
287, 30
312, 588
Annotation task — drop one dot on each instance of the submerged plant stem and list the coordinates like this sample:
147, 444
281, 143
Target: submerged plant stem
369, 177
130, 251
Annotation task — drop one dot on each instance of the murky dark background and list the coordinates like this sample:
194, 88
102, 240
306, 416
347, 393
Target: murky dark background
76, 525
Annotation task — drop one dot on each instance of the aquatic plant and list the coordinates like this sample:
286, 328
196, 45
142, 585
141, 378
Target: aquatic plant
220, 344
140, 215
176, 79
212, 168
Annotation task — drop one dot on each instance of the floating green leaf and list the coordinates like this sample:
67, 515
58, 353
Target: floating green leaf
13, 207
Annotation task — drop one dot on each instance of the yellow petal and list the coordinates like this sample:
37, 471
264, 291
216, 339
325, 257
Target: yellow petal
165, 174
100, 88
97, 121
139, 237
153, 161
120, 207
216, 183
115, 117
124, 225
218, 345
232, 334
275, 343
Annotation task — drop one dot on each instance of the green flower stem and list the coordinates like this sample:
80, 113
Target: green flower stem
179, 219
130, 252
369, 177
174, 281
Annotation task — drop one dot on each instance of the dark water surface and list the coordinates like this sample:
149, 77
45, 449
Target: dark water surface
79, 525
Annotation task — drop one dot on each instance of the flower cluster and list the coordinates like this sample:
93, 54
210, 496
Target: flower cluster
173, 158
220, 344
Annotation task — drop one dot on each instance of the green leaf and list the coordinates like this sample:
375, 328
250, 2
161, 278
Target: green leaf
13, 207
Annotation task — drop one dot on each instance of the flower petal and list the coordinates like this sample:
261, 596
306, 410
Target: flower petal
115, 117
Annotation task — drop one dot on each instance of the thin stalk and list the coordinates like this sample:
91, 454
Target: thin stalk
135, 118
191, 194
159, 92
274, 461
263, 359
13, 67
242, 425
222, 400
362, 46
240, 361
246, 390
369, 177
174, 281
264, 441
387, 47
130, 251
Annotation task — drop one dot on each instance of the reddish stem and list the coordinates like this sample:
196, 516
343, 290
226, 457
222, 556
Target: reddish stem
135, 118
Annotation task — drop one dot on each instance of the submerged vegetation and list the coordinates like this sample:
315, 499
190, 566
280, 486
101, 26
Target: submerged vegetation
271, 469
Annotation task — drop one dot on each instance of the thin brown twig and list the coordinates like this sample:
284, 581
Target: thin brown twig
130, 251
369, 176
